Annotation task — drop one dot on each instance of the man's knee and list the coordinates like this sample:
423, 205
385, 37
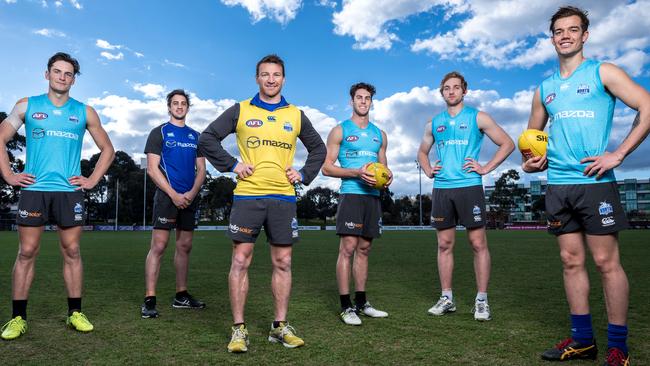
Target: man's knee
282, 263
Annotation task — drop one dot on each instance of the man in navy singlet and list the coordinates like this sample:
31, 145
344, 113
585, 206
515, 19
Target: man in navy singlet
457, 196
52, 185
582, 200
178, 169
356, 143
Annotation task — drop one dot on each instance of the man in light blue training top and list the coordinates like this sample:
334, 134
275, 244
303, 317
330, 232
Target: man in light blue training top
178, 169
356, 143
457, 196
582, 200
52, 184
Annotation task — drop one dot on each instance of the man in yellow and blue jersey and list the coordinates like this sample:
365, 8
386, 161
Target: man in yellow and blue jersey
52, 187
356, 143
457, 196
582, 201
267, 128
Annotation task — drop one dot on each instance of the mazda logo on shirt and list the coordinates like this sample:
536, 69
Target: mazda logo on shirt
254, 142
38, 133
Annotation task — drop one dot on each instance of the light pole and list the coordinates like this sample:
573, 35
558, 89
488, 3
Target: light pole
417, 164
117, 200
143, 163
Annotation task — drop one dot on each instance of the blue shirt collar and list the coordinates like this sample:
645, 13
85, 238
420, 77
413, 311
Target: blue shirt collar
256, 101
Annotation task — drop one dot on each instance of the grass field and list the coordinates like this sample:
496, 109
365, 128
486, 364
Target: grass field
526, 297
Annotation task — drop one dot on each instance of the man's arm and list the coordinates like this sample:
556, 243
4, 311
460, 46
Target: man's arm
198, 180
154, 172
382, 157
499, 137
210, 140
316, 150
106, 152
537, 121
423, 153
330, 169
8, 129
635, 97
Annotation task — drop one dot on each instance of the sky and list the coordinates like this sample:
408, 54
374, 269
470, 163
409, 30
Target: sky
134, 52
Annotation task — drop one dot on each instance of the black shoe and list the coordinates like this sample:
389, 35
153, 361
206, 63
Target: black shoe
616, 357
148, 313
187, 302
569, 349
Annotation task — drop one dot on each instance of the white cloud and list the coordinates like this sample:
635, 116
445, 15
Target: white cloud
10, 1
152, 91
111, 57
282, 11
326, 3
50, 33
105, 45
76, 4
138, 54
58, 3
174, 64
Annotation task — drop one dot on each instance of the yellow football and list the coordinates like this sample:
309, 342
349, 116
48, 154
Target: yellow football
533, 143
381, 174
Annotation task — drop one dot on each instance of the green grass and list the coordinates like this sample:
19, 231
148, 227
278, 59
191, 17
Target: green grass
526, 296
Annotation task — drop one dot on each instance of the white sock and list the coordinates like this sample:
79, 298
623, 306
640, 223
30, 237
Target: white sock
449, 294
481, 296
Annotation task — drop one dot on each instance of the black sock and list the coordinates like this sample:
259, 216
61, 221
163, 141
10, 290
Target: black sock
345, 301
360, 299
74, 304
182, 294
276, 323
150, 302
19, 308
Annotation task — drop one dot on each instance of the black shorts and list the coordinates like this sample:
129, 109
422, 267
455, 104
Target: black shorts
278, 218
167, 216
593, 208
453, 206
359, 215
37, 208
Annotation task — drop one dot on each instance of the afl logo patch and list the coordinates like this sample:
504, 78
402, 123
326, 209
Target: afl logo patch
441, 129
39, 115
549, 98
352, 138
254, 123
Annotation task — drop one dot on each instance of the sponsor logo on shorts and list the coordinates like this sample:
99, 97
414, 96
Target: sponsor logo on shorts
78, 217
608, 221
441, 129
38, 133
477, 218
288, 127
549, 99
554, 224
254, 123
165, 220
239, 229
582, 89
352, 138
294, 234
270, 118
381, 225
294, 223
437, 219
170, 143
78, 208
73, 119
605, 209
476, 210
353, 225
25, 214
39, 115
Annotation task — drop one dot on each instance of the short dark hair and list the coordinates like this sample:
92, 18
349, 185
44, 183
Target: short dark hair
177, 92
62, 56
451, 75
269, 59
567, 11
371, 89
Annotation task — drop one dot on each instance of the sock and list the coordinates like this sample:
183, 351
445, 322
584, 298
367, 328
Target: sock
581, 330
449, 294
481, 296
19, 308
182, 294
150, 302
276, 323
617, 337
345, 301
74, 304
359, 299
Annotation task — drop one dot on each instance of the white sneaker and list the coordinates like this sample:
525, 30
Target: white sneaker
350, 317
482, 311
443, 306
368, 310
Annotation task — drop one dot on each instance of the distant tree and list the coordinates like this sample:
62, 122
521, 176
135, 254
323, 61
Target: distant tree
9, 194
504, 197
218, 196
538, 208
318, 202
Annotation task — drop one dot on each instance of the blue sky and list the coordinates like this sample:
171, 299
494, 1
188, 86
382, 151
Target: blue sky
133, 52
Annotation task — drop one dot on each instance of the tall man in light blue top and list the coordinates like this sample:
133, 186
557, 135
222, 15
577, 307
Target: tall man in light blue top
52, 184
457, 196
582, 200
356, 143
